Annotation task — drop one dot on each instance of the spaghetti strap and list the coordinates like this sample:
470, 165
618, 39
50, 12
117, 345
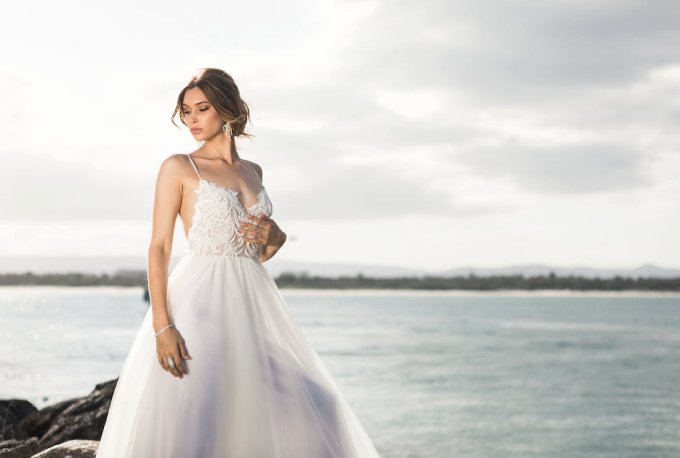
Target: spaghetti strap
194, 165
254, 171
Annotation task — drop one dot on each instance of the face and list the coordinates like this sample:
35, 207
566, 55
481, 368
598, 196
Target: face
200, 116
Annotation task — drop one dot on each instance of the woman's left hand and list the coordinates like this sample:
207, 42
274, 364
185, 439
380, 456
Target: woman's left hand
262, 230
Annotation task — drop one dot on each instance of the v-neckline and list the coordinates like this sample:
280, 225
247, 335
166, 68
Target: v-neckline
235, 193
258, 196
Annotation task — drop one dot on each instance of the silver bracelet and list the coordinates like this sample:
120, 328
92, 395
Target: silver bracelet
168, 326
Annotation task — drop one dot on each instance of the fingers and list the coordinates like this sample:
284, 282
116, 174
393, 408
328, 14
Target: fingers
179, 369
164, 364
260, 220
183, 350
252, 236
177, 356
259, 239
255, 232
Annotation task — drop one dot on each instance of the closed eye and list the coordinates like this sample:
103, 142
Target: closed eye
187, 112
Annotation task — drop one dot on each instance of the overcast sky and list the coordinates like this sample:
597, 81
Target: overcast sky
429, 134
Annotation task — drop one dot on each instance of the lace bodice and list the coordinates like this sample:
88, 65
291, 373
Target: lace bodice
218, 214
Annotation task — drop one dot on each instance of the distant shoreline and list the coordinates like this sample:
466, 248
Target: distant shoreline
550, 284
467, 292
396, 291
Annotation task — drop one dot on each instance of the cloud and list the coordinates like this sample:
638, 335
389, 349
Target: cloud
514, 50
577, 168
370, 192
558, 97
41, 187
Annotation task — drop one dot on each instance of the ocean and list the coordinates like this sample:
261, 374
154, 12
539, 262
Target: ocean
429, 374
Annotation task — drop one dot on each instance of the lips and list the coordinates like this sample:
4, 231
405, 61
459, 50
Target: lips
195, 129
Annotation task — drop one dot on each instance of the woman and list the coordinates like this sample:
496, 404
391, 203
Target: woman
219, 368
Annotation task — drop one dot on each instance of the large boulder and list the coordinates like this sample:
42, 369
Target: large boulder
26, 430
83, 418
71, 449
37, 423
19, 448
11, 412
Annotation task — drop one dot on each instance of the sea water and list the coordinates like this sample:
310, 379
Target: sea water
449, 374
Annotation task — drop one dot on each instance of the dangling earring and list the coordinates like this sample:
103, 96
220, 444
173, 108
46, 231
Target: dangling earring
226, 128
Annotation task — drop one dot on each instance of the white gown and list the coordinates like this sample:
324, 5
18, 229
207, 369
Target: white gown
255, 388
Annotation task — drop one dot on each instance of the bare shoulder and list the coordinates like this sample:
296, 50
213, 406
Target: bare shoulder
256, 166
174, 170
176, 160
175, 164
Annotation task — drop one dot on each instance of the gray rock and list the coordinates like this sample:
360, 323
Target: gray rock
83, 418
19, 448
70, 449
68, 428
11, 412
37, 423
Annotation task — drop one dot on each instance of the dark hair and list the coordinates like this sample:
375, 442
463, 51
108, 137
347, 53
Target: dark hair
222, 92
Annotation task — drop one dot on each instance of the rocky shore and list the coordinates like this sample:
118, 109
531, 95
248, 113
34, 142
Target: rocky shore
70, 428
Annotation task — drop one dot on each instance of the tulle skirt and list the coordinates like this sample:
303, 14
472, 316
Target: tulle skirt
254, 387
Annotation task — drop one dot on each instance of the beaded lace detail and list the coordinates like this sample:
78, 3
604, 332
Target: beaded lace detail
217, 216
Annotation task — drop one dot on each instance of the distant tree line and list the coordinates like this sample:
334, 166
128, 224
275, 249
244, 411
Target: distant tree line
479, 283
303, 280
74, 279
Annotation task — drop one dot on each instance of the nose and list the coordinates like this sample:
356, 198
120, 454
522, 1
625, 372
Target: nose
190, 118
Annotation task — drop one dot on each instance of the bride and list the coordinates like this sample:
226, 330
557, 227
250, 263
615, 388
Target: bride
218, 367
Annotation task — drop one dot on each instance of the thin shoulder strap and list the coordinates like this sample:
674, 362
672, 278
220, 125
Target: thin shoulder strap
254, 171
195, 168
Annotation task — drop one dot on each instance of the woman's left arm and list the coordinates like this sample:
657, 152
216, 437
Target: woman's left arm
264, 231
269, 250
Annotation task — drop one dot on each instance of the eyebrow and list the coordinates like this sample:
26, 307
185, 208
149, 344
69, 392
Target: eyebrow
197, 103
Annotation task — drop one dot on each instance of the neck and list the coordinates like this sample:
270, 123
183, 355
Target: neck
220, 146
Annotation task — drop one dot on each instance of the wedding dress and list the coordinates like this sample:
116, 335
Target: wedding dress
255, 388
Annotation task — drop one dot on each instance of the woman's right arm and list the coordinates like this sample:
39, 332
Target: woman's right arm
167, 201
